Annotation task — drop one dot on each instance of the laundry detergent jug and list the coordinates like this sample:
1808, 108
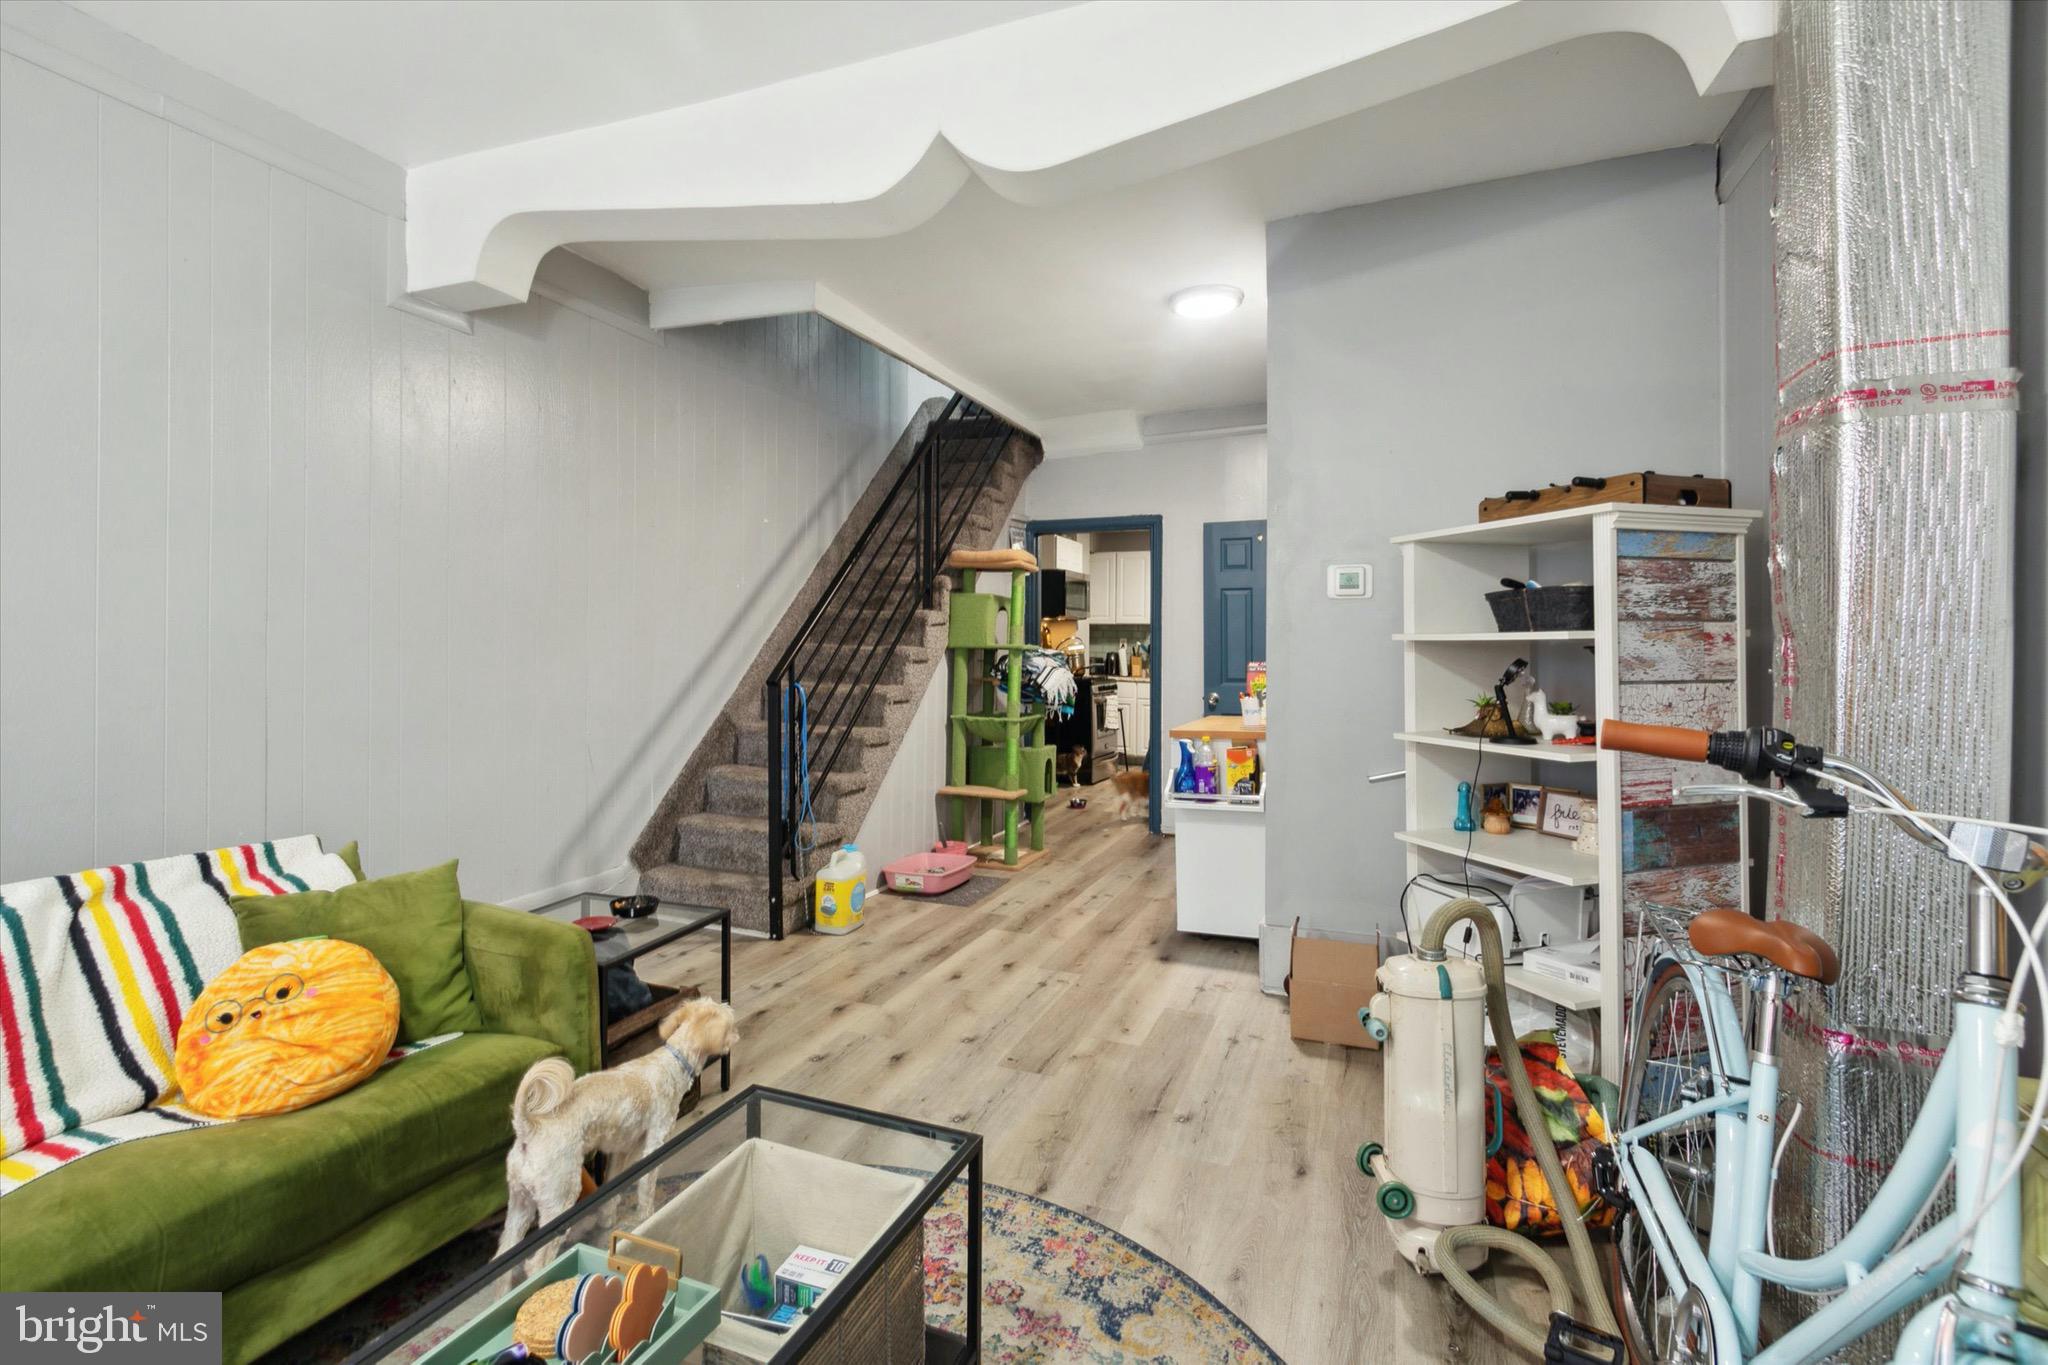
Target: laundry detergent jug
842, 888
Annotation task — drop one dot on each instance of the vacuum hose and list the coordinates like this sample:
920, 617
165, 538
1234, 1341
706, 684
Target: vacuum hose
1585, 1266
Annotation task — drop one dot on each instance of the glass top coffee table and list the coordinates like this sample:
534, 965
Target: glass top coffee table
631, 939
766, 1172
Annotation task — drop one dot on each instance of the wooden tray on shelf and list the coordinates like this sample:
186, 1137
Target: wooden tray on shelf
1668, 490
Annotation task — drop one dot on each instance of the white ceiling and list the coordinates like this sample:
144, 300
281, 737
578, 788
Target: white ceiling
415, 81
1008, 208
1066, 305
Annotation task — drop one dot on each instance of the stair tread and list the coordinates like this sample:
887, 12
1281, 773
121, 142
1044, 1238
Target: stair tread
841, 782
871, 734
749, 881
715, 821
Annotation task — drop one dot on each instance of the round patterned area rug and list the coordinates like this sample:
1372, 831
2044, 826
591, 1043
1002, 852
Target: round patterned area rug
1056, 1286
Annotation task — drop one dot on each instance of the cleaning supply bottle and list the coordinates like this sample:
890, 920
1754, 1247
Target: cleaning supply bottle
1205, 768
842, 889
1184, 773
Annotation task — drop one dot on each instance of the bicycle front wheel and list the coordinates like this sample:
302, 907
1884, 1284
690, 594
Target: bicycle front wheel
1670, 1065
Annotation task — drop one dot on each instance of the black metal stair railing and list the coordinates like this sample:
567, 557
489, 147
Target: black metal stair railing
820, 691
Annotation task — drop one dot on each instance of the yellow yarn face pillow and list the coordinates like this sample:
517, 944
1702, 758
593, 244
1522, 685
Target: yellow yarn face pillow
287, 1025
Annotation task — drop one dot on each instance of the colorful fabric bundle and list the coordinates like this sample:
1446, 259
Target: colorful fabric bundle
98, 968
1048, 682
1518, 1196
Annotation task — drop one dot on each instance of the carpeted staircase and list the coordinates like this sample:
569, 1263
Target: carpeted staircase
707, 843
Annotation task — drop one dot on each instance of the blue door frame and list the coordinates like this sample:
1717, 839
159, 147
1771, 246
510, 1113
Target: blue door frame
1154, 526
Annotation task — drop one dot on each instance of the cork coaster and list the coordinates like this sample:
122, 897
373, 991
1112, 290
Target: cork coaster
540, 1317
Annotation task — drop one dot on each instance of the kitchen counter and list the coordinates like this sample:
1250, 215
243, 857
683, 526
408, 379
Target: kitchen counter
1219, 845
1230, 729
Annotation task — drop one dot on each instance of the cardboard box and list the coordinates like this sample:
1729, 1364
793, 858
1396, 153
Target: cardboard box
1331, 977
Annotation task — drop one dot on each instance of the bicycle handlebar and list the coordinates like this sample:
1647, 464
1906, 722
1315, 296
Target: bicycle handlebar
1754, 754
1659, 741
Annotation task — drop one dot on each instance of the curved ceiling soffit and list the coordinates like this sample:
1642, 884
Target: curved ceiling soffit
856, 151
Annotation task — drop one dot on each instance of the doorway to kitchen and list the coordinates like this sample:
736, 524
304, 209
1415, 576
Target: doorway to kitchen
1097, 597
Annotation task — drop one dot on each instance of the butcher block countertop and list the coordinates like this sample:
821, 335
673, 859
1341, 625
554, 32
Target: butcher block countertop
1229, 728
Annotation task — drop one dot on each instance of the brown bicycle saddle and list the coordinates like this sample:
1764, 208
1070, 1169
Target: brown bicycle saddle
1799, 951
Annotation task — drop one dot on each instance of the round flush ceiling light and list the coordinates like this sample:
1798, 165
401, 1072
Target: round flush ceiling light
1206, 300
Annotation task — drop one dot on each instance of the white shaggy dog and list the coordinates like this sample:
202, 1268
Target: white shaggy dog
626, 1112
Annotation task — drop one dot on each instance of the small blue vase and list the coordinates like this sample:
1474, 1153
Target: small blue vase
1464, 824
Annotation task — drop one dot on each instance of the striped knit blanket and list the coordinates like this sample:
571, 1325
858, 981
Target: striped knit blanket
98, 968
18, 1168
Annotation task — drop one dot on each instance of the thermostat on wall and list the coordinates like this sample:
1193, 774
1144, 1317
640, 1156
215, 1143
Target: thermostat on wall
1350, 580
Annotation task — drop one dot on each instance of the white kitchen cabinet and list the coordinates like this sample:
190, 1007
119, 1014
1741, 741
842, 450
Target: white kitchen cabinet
1133, 594
1102, 569
1127, 720
1140, 741
1219, 865
1062, 552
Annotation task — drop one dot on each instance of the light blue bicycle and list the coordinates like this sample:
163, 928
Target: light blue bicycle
1699, 1133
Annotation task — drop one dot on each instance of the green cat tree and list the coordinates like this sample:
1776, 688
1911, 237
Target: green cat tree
998, 756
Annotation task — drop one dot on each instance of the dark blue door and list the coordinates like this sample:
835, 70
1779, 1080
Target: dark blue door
1233, 608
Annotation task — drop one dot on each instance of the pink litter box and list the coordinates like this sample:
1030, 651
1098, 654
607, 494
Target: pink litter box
934, 873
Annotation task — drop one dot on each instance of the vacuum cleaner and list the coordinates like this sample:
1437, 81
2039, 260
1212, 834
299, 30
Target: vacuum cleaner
1431, 1171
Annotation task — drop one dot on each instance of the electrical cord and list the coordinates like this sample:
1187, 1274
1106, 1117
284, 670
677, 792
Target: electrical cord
1478, 758
1472, 889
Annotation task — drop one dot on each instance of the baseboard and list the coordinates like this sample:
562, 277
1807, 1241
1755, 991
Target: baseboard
621, 878
1276, 944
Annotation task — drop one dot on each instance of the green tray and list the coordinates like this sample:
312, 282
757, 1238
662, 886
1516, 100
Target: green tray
689, 1316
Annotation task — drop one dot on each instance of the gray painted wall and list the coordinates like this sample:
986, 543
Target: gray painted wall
904, 818
1749, 391
1423, 352
277, 558
1186, 483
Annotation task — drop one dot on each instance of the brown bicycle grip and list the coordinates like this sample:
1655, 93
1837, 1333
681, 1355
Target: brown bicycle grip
1661, 741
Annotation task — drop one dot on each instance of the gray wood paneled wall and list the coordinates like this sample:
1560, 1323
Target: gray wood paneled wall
278, 558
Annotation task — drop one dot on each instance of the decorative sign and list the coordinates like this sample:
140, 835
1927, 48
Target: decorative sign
1562, 813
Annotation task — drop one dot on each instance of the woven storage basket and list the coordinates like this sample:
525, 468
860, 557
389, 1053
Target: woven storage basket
765, 1198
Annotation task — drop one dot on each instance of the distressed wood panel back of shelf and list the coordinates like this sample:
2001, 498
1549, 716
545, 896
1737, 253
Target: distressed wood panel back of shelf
1676, 604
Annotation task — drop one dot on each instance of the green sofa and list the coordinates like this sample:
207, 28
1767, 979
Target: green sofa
293, 1216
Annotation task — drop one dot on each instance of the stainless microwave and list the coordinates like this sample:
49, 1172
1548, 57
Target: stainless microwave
1062, 593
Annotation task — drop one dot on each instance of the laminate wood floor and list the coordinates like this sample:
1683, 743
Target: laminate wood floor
1120, 1068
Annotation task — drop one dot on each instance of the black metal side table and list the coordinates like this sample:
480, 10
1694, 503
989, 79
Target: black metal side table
632, 939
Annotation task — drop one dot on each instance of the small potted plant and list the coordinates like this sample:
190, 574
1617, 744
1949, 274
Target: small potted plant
1488, 723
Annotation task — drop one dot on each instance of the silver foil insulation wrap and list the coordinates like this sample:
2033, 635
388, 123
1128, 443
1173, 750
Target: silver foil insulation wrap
1891, 545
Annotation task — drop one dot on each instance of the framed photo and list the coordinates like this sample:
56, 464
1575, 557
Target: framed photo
1562, 813
1493, 792
1525, 804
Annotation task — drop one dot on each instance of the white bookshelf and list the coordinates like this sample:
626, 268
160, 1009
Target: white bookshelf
1451, 653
